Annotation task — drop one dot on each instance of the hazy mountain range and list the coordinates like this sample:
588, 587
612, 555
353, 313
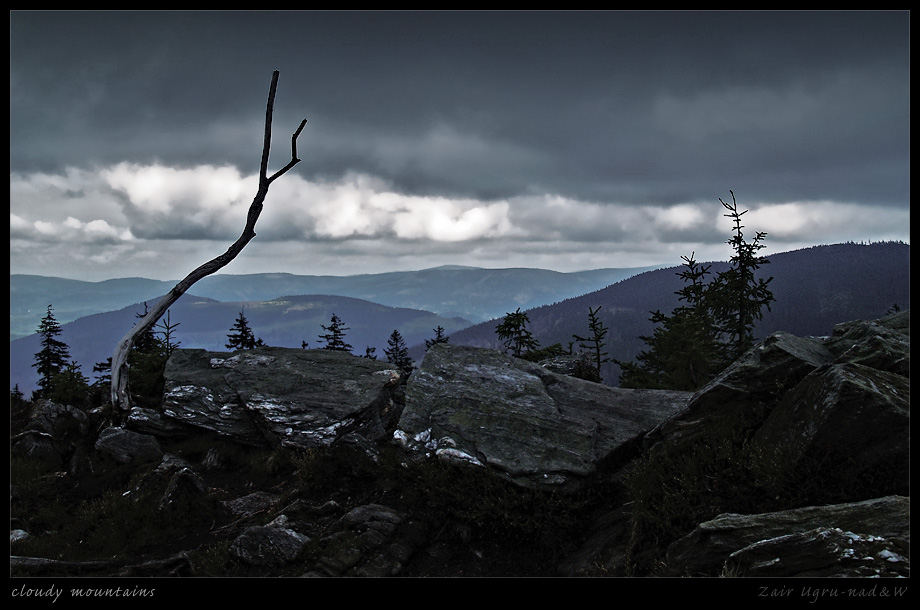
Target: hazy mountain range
815, 288
94, 315
486, 293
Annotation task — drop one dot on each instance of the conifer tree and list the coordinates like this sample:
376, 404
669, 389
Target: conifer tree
335, 335
595, 343
513, 330
714, 325
397, 353
166, 331
737, 297
53, 357
243, 338
685, 350
439, 337
70, 386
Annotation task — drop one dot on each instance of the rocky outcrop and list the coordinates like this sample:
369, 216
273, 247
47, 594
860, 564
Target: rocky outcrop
321, 463
820, 419
838, 406
741, 397
535, 427
277, 396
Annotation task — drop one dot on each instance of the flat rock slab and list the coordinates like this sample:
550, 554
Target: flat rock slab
292, 397
529, 424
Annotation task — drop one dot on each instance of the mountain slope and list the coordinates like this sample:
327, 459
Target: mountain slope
814, 288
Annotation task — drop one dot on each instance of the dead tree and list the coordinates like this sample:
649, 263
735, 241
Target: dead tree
120, 395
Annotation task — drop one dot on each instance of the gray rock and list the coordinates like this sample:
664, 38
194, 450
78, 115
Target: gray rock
708, 548
62, 421
36, 445
155, 423
372, 540
830, 413
847, 423
822, 552
174, 487
251, 504
530, 425
882, 344
53, 433
281, 396
269, 545
741, 397
127, 446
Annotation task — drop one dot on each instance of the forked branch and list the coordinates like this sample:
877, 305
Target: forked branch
120, 393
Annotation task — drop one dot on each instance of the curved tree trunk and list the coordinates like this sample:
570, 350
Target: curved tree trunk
120, 395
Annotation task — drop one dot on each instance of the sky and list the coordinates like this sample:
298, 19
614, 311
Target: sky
565, 140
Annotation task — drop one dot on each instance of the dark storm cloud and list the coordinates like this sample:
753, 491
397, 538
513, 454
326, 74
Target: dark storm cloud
567, 140
651, 107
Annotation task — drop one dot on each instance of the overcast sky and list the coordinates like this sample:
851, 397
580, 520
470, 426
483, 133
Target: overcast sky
560, 140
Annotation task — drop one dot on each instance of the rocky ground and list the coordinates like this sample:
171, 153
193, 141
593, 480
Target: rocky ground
794, 462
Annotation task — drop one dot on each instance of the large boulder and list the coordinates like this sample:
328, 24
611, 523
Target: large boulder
882, 344
846, 424
528, 424
280, 396
740, 397
820, 407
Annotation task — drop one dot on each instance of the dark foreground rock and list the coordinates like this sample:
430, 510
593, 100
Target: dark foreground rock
870, 538
795, 422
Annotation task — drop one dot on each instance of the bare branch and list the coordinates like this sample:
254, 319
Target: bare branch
120, 394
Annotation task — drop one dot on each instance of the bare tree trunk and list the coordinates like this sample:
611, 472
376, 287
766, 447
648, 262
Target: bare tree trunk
120, 394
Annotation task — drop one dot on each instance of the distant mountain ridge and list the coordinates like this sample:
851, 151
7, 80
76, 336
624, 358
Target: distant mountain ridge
487, 292
815, 288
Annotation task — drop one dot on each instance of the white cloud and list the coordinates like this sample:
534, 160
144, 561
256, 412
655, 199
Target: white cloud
70, 230
680, 217
806, 221
160, 221
159, 189
362, 206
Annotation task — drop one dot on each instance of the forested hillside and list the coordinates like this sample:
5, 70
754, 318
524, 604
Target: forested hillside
814, 288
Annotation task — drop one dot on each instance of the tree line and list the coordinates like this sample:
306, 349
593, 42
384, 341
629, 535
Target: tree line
62, 380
